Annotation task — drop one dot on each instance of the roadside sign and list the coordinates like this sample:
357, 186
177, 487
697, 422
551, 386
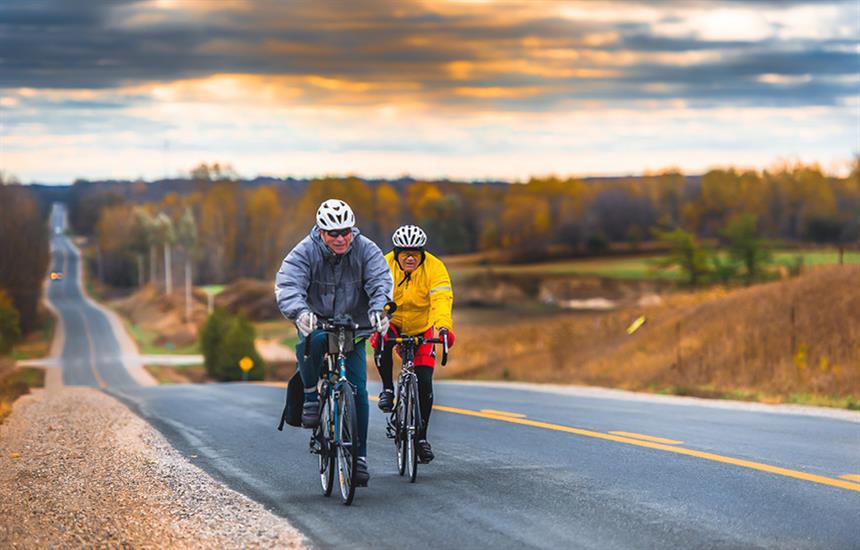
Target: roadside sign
635, 325
246, 364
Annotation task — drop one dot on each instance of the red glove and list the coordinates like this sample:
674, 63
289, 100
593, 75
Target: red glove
451, 337
374, 338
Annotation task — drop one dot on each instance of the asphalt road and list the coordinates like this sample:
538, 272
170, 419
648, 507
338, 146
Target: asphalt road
515, 467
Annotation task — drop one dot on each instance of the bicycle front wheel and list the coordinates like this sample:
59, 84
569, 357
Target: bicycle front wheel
413, 423
347, 442
399, 423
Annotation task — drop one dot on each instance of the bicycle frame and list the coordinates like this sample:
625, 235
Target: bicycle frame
328, 439
405, 420
336, 378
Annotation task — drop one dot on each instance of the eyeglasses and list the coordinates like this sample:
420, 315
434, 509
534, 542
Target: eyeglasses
410, 253
335, 233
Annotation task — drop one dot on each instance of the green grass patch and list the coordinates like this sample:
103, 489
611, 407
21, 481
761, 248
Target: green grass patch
815, 257
639, 267
817, 400
146, 342
280, 329
616, 268
37, 344
849, 402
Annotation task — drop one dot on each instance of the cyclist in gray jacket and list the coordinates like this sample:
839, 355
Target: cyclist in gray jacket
334, 271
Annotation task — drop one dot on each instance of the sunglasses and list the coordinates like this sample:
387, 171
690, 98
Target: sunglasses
335, 233
410, 253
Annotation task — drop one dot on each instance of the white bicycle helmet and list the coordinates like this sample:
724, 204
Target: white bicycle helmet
335, 214
409, 236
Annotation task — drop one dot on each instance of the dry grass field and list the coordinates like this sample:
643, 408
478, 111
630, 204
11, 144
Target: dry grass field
796, 340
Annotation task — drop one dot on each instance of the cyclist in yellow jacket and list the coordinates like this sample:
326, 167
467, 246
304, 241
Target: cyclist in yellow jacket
424, 298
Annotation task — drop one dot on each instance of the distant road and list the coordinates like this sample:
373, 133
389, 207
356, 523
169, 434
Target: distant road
515, 468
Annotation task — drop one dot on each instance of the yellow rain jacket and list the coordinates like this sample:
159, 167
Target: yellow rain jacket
424, 297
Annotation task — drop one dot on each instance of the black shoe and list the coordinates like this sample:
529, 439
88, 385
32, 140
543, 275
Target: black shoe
311, 414
386, 401
362, 476
425, 454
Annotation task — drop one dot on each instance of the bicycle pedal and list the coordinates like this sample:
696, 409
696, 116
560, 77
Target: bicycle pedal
315, 445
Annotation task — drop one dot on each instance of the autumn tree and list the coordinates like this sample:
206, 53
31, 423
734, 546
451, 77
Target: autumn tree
617, 212
139, 240
418, 195
262, 241
10, 326
525, 225
186, 238
115, 236
219, 229
166, 235
685, 253
747, 247
24, 250
443, 223
387, 210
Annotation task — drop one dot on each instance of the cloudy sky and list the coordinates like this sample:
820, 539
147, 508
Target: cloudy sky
442, 88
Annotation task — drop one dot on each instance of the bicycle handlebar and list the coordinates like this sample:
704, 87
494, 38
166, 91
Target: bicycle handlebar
330, 326
419, 340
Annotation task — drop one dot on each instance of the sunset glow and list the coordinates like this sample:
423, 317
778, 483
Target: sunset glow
434, 89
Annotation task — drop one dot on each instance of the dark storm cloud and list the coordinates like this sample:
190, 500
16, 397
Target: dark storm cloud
87, 44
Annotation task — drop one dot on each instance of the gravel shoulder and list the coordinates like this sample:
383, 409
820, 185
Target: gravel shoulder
78, 469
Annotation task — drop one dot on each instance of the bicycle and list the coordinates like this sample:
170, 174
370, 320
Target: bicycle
335, 439
405, 421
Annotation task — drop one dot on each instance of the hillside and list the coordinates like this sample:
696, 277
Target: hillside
778, 341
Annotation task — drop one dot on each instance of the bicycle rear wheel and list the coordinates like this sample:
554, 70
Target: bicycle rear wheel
327, 455
347, 445
413, 422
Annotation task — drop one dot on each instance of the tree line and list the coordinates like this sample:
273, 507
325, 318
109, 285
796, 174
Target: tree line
24, 258
221, 228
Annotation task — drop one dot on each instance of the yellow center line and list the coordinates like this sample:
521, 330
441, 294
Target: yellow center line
503, 413
629, 439
92, 347
662, 447
648, 438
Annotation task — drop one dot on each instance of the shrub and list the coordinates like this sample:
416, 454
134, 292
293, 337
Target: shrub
10, 329
225, 339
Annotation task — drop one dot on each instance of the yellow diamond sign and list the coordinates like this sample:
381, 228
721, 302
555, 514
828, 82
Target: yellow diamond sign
246, 363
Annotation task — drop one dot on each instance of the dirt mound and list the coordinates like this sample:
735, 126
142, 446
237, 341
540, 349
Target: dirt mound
153, 311
794, 336
252, 298
490, 289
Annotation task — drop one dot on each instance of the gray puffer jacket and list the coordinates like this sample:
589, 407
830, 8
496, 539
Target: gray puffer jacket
314, 278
